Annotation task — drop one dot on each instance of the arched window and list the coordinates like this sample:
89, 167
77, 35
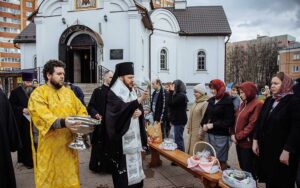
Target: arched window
163, 59
201, 60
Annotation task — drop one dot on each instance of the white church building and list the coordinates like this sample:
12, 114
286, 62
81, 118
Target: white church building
179, 42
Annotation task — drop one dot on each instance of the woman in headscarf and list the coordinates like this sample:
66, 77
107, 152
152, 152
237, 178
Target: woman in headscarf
245, 120
177, 110
218, 119
276, 138
195, 117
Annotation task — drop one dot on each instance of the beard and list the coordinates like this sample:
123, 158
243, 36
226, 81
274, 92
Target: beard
129, 85
28, 89
56, 84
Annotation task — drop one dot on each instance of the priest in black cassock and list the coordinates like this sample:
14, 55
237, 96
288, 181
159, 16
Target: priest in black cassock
96, 109
9, 142
125, 128
19, 102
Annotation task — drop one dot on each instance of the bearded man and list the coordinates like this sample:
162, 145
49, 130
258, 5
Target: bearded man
50, 105
125, 128
19, 101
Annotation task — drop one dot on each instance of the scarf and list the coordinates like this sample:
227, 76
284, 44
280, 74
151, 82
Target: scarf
201, 99
285, 89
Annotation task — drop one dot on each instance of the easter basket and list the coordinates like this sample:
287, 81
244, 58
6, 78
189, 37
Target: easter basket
204, 158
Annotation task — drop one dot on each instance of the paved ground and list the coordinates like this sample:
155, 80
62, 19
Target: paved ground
166, 176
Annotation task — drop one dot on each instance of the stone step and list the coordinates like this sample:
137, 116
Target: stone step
87, 89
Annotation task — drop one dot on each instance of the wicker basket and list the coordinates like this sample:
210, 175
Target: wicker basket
211, 167
206, 144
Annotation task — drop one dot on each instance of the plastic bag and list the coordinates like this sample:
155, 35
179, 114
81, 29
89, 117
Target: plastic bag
245, 182
154, 132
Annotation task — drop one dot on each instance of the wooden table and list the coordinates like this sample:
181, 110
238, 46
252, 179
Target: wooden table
222, 184
180, 158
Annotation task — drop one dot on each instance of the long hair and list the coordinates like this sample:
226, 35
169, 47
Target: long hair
179, 87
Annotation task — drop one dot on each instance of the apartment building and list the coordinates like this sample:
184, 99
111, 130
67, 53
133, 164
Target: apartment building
13, 19
289, 60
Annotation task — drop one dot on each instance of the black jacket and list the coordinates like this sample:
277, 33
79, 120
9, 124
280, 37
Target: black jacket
98, 160
161, 107
9, 142
177, 108
221, 115
78, 92
97, 101
276, 130
19, 100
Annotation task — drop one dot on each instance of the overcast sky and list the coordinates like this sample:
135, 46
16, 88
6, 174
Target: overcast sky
247, 18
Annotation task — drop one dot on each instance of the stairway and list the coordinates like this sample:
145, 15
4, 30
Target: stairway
87, 90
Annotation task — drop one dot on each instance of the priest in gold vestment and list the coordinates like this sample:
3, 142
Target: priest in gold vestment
55, 164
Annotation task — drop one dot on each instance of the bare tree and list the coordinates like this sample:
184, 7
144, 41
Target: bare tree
256, 62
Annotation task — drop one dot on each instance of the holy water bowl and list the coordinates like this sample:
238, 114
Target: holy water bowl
87, 125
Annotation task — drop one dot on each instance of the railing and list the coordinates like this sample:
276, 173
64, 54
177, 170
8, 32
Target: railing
39, 74
101, 72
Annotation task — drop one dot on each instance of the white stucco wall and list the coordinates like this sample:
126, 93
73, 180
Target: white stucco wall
182, 57
182, 52
125, 30
28, 52
122, 30
188, 49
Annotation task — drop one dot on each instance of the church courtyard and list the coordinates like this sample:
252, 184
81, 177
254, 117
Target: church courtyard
166, 176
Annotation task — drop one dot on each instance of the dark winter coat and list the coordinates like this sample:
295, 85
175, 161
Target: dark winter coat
177, 108
221, 115
19, 100
98, 160
278, 130
78, 92
161, 107
9, 142
97, 101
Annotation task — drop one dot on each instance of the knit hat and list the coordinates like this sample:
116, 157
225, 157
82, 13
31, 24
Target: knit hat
200, 88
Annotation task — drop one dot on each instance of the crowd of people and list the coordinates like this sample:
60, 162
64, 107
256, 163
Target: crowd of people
35, 122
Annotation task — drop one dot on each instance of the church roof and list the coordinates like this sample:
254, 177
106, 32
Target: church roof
145, 16
193, 21
27, 35
202, 20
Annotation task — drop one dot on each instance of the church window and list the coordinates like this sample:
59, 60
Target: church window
201, 61
163, 59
